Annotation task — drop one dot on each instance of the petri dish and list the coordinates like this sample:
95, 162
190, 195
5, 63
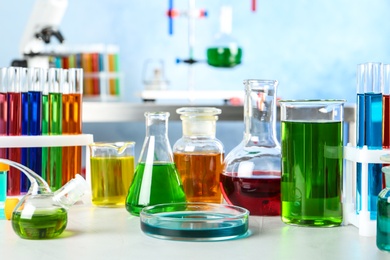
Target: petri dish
195, 221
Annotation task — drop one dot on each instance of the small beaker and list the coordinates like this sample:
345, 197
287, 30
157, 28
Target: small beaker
312, 162
112, 170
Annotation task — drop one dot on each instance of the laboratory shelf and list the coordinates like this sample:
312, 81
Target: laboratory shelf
112, 233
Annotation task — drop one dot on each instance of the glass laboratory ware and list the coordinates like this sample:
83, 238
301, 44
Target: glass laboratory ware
312, 162
42, 214
224, 52
4, 168
56, 80
199, 155
72, 121
251, 177
3, 108
112, 170
383, 216
14, 100
24, 125
156, 179
36, 81
369, 129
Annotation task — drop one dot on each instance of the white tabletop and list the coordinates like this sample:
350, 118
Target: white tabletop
112, 233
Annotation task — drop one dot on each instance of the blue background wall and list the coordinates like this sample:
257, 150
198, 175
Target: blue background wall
311, 47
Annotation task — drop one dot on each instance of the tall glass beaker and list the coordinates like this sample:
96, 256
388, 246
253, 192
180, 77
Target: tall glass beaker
199, 155
156, 179
312, 162
251, 177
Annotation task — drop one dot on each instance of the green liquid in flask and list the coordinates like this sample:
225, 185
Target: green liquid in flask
224, 57
41, 225
154, 184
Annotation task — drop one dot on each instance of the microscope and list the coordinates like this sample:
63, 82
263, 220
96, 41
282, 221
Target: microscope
42, 26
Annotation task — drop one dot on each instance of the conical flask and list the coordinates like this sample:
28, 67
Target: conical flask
156, 179
251, 177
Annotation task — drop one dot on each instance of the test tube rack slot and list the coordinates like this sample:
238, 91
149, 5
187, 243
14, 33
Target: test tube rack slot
365, 156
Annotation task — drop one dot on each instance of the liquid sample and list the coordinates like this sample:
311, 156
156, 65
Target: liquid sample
199, 175
224, 57
24, 183
45, 131
111, 178
383, 224
386, 122
154, 184
55, 153
71, 124
14, 122
260, 194
202, 229
369, 132
43, 224
3, 186
34, 161
312, 167
3, 120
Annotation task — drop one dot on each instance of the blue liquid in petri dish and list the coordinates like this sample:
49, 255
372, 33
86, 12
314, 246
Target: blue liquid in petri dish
197, 223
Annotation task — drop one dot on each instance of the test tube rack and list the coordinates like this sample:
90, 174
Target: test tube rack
353, 155
25, 141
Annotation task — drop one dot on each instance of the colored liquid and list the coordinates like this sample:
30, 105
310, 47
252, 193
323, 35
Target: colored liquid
111, 179
224, 57
24, 184
14, 128
45, 131
55, 153
34, 161
204, 229
3, 186
383, 224
199, 174
386, 122
312, 167
369, 132
3, 121
260, 194
154, 184
41, 225
71, 124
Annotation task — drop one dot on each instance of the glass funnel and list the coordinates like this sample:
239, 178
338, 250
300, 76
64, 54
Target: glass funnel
251, 177
42, 214
156, 179
199, 155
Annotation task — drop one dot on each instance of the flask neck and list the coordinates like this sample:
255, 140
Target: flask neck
156, 146
260, 114
199, 127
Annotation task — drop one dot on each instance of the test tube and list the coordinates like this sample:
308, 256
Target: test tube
386, 107
36, 81
14, 128
3, 108
72, 122
369, 130
56, 80
45, 126
24, 183
4, 168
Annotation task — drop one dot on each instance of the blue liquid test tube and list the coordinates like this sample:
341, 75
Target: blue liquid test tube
369, 130
36, 81
24, 183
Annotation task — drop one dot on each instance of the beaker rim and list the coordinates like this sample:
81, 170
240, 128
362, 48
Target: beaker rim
113, 144
198, 111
